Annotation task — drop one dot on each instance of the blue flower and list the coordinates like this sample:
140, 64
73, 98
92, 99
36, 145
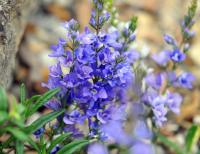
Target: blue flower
185, 80
174, 101
154, 80
162, 58
141, 130
159, 110
58, 51
141, 147
55, 149
38, 133
177, 56
53, 104
97, 148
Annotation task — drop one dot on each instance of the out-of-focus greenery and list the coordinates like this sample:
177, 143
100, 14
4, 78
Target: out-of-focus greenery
13, 125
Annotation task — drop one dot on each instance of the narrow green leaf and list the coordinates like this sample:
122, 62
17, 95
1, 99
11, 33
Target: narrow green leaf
33, 144
41, 101
192, 137
58, 140
73, 146
17, 133
42, 121
22, 94
172, 145
3, 100
19, 147
32, 99
3, 117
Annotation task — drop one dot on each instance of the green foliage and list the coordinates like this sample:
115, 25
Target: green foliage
12, 122
13, 117
57, 140
172, 145
17, 133
3, 100
133, 23
191, 140
42, 121
73, 146
192, 137
40, 101
192, 9
19, 147
22, 94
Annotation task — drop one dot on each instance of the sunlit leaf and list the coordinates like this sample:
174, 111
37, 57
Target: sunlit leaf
192, 137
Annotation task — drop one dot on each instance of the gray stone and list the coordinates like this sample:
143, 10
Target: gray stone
13, 17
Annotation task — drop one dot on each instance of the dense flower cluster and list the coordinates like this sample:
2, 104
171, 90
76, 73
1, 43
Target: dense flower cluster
93, 71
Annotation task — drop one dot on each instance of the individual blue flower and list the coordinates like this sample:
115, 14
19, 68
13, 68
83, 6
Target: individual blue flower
55, 149
177, 56
53, 104
38, 133
58, 51
132, 56
97, 148
141, 147
185, 80
85, 54
141, 130
159, 110
171, 77
174, 101
56, 71
154, 80
162, 58
118, 135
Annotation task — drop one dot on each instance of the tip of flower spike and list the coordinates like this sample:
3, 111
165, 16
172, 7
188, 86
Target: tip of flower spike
133, 23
